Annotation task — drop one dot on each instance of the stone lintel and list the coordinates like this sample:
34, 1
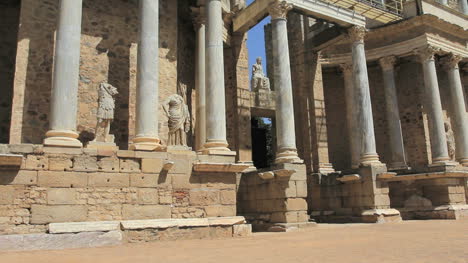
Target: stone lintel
425, 176
11, 160
220, 167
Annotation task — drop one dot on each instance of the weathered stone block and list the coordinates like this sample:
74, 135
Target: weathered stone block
296, 204
301, 188
182, 181
108, 164
7, 194
289, 191
21, 177
145, 211
181, 167
85, 163
149, 180
42, 214
151, 165
148, 196
220, 210
109, 180
243, 230
21, 148
62, 179
129, 166
228, 197
61, 196
36, 162
99, 226
204, 197
60, 163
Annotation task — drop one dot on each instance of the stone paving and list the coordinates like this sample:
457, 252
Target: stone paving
409, 241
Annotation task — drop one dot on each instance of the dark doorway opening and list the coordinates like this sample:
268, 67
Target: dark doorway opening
263, 138
9, 23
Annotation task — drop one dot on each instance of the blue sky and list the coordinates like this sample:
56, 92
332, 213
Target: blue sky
256, 43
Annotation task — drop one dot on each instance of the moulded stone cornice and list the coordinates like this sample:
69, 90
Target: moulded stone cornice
279, 9
357, 33
387, 63
451, 61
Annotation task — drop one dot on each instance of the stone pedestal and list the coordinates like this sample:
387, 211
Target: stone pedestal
285, 127
458, 110
433, 107
351, 116
147, 106
64, 98
362, 97
397, 148
216, 142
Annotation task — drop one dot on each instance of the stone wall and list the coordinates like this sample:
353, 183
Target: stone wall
9, 22
70, 185
269, 196
108, 53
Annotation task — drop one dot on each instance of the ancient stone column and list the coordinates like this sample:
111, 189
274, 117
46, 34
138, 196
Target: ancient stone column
200, 129
64, 97
433, 106
443, 2
459, 114
365, 122
285, 128
216, 142
147, 106
397, 149
464, 6
351, 116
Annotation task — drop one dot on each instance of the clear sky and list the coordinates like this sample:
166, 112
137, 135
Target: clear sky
256, 43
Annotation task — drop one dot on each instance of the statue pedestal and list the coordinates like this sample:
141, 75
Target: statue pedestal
102, 146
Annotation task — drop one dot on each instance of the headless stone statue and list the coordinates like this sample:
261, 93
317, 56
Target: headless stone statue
450, 140
178, 120
105, 113
259, 80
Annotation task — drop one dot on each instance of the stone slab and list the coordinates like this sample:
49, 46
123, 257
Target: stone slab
14, 160
59, 241
220, 167
226, 221
145, 224
243, 230
76, 227
422, 176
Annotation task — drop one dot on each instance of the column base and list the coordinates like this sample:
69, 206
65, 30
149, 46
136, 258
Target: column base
148, 144
287, 155
398, 166
62, 138
217, 148
326, 168
369, 159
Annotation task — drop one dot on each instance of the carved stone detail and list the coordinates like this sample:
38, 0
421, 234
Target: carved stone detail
451, 61
105, 113
259, 80
387, 63
357, 33
198, 17
450, 140
178, 120
279, 9
346, 68
426, 53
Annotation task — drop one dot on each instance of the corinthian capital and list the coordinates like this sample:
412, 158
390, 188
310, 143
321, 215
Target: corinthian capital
387, 63
346, 68
357, 33
279, 9
426, 53
451, 61
198, 16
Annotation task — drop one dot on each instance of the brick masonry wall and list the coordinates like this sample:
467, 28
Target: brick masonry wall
108, 53
9, 22
67, 187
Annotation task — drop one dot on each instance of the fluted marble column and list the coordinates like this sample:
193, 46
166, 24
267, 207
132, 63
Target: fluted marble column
397, 148
285, 128
433, 106
459, 114
362, 97
64, 99
216, 142
200, 132
351, 116
147, 107
464, 6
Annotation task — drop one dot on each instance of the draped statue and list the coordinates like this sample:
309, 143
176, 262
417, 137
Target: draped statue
178, 120
259, 80
105, 113
450, 140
